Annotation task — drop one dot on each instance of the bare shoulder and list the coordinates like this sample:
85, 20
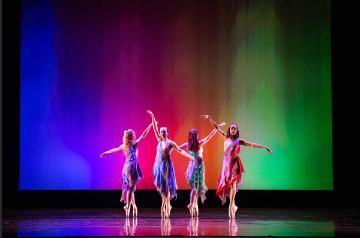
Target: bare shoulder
171, 142
136, 143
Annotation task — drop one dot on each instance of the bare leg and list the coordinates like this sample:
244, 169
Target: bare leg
135, 210
231, 201
191, 202
128, 203
163, 204
195, 204
233, 207
168, 207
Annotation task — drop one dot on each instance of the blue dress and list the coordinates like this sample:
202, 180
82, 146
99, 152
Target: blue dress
131, 173
163, 171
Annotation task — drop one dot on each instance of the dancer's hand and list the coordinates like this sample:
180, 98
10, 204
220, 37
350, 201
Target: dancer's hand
268, 149
205, 116
221, 124
102, 155
150, 113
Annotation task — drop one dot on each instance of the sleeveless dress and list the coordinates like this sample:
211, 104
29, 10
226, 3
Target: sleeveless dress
232, 170
131, 173
163, 171
195, 174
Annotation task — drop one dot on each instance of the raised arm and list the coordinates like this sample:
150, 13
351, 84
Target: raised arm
145, 132
181, 151
246, 143
113, 150
215, 125
154, 124
206, 139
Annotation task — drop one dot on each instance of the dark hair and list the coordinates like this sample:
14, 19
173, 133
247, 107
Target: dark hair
167, 131
237, 135
193, 142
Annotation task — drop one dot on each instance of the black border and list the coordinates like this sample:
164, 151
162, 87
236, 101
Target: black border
345, 124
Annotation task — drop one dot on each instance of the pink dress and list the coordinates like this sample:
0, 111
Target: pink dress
232, 169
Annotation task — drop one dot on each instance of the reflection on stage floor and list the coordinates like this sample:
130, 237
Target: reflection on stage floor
211, 222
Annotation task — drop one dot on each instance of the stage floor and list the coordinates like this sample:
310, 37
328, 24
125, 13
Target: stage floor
211, 222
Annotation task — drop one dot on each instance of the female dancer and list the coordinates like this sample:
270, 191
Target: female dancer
195, 173
232, 169
163, 171
131, 173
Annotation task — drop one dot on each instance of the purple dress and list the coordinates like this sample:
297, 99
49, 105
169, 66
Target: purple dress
131, 173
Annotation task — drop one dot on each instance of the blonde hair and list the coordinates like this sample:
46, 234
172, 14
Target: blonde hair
128, 138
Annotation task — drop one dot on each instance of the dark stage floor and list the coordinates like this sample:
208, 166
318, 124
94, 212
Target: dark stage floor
211, 222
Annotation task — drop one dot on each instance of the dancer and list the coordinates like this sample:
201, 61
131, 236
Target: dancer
131, 173
232, 168
195, 173
163, 170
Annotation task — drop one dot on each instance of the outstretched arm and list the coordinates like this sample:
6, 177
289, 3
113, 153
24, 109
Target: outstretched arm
214, 124
183, 152
113, 150
154, 124
183, 146
246, 143
145, 132
206, 139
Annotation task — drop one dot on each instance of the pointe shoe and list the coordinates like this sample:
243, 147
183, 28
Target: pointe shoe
190, 209
169, 211
196, 211
135, 211
233, 210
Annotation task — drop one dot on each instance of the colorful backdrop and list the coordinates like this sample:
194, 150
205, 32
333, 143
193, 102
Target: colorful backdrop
90, 69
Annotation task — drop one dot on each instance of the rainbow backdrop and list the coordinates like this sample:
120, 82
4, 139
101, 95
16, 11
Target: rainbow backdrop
90, 69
